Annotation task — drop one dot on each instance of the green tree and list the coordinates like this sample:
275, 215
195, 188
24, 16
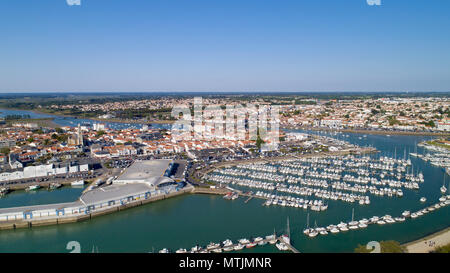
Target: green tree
100, 133
259, 141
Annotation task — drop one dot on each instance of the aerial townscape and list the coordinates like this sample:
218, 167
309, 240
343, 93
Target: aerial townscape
346, 157
251, 131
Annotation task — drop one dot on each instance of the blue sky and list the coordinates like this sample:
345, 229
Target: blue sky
228, 45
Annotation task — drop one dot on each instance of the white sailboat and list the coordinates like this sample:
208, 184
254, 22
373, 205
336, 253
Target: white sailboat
353, 223
306, 231
313, 232
443, 188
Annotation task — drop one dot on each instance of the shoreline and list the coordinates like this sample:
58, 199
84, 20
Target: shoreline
43, 122
369, 132
440, 238
100, 119
112, 120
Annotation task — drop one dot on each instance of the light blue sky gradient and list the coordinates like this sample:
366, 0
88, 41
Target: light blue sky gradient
224, 45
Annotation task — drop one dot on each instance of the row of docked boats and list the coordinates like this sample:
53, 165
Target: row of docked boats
326, 194
364, 223
51, 186
231, 196
290, 201
228, 245
439, 156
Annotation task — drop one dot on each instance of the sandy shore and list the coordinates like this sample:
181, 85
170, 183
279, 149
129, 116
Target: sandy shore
429, 243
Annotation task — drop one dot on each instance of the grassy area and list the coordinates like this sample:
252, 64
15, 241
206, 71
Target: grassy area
438, 144
386, 247
442, 249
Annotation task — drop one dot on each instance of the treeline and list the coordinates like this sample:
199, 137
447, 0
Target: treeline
141, 113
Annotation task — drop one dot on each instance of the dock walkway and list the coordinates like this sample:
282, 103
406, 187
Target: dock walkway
292, 248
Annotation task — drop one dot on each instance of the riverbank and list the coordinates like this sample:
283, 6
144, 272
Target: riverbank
114, 120
43, 122
430, 242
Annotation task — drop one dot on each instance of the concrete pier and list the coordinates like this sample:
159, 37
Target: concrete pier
42, 215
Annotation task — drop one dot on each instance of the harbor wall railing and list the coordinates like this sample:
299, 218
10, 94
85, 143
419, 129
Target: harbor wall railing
83, 213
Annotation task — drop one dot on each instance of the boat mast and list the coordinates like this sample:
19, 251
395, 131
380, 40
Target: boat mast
288, 230
307, 221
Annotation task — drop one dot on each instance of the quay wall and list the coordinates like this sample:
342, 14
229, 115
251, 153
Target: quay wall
203, 190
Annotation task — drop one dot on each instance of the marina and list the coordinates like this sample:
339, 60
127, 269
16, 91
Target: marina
236, 219
350, 179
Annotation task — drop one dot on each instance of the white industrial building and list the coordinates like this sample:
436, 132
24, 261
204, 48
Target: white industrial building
42, 171
150, 172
